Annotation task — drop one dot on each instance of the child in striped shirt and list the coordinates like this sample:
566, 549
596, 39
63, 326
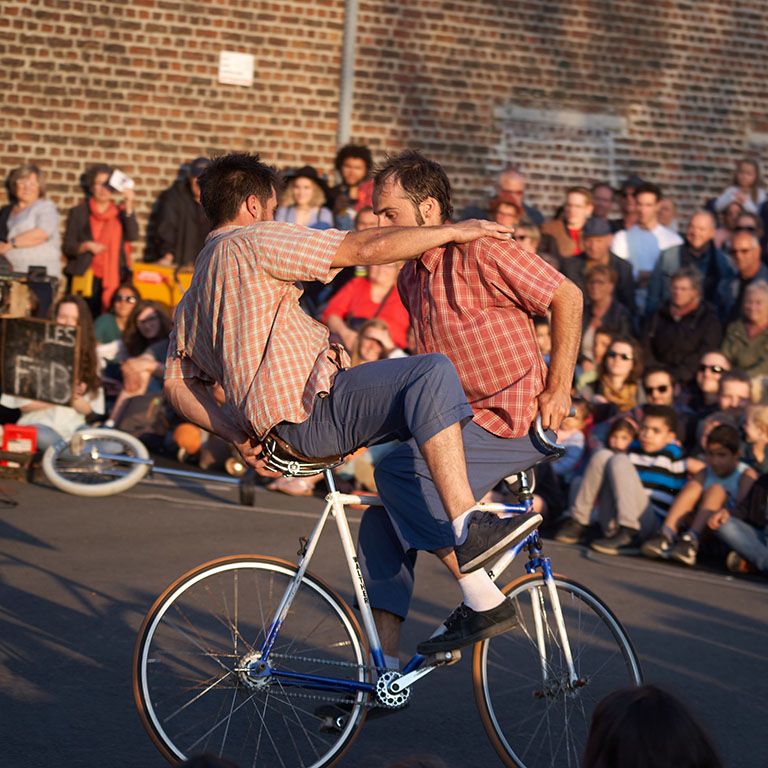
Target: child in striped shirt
629, 493
724, 481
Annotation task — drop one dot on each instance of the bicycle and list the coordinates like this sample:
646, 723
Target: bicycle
244, 656
102, 462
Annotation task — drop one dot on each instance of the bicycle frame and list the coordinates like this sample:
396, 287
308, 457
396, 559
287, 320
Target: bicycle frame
336, 506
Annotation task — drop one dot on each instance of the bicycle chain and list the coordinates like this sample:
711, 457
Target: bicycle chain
344, 700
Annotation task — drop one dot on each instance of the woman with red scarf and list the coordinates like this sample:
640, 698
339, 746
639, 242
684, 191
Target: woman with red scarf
98, 235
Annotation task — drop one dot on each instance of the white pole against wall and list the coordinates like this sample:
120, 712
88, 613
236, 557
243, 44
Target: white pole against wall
347, 82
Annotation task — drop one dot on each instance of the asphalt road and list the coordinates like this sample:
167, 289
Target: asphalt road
77, 576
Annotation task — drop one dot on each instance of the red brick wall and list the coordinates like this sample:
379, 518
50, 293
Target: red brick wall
672, 91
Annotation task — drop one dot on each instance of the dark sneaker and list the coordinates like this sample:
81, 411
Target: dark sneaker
571, 532
489, 534
735, 563
657, 547
685, 550
465, 627
625, 541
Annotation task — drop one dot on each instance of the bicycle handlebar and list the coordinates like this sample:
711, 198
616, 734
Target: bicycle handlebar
542, 435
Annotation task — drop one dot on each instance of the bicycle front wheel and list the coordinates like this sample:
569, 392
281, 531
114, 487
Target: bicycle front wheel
533, 713
190, 681
70, 464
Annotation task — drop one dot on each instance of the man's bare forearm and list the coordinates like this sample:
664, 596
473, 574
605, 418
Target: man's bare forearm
566, 309
387, 244
195, 402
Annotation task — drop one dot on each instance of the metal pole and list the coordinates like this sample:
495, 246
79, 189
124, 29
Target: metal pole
347, 80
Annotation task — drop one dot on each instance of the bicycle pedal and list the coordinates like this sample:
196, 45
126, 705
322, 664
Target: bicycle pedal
443, 658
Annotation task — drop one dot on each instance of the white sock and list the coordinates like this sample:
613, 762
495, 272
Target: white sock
480, 593
461, 524
392, 662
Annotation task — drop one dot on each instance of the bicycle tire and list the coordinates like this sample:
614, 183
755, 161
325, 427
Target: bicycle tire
79, 474
192, 699
532, 724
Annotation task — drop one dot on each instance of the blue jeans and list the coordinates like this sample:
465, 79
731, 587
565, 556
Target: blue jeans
749, 542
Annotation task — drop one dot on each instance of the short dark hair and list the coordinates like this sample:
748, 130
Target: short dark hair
649, 188
726, 436
692, 275
419, 177
359, 152
229, 180
735, 374
647, 726
665, 412
89, 177
651, 369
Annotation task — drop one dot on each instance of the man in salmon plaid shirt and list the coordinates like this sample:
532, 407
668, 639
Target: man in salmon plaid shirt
245, 361
475, 303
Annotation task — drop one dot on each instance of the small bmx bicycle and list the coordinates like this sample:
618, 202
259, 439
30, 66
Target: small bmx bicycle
256, 660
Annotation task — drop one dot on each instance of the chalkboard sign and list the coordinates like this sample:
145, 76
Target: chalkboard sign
39, 359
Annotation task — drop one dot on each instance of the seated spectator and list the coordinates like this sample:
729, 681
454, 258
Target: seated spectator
366, 219
29, 230
529, 236
703, 391
543, 337
505, 211
180, 225
146, 345
724, 481
571, 436
629, 494
627, 204
303, 201
567, 231
668, 214
364, 298
622, 434
511, 184
746, 340
57, 422
110, 327
616, 389
645, 726
354, 164
727, 225
699, 251
596, 238
745, 530
746, 188
735, 390
98, 236
756, 437
602, 200
601, 309
745, 252
588, 366
646, 241
682, 328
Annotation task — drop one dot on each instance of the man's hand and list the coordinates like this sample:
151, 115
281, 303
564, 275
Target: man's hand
473, 229
250, 449
554, 406
718, 519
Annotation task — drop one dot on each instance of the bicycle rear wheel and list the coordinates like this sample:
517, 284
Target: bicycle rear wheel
70, 464
533, 722
189, 685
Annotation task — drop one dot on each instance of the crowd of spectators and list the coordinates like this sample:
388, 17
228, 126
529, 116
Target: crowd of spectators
671, 426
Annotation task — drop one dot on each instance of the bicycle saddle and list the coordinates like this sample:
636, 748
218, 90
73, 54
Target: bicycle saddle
282, 457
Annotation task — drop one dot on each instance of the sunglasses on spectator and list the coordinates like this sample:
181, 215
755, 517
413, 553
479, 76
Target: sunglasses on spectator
662, 390
622, 355
714, 368
129, 299
148, 319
